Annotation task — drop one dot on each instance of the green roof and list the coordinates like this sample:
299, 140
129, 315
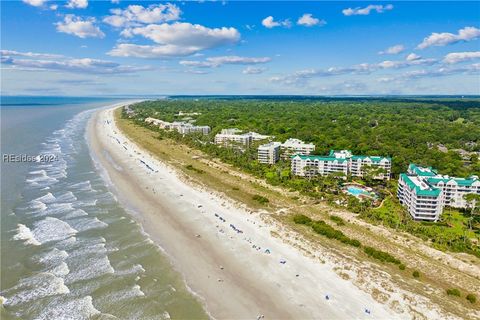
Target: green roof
354, 157
407, 180
458, 181
431, 192
430, 173
373, 158
320, 158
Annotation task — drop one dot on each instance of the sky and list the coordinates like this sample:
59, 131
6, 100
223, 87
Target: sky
92, 48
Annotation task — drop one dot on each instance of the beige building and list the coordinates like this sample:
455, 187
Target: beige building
269, 153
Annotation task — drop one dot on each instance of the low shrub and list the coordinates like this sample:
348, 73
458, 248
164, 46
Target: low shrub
339, 221
301, 219
353, 242
381, 255
401, 266
322, 228
192, 168
416, 274
453, 292
260, 199
471, 297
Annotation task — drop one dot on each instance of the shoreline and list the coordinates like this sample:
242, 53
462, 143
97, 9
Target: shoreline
214, 259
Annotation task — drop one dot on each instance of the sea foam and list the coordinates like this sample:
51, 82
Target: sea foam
24, 233
38, 286
52, 229
81, 308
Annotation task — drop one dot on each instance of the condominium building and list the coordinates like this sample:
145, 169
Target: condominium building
180, 126
309, 165
341, 161
257, 136
380, 166
269, 153
232, 136
226, 139
425, 192
186, 128
130, 113
157, 122
295, 146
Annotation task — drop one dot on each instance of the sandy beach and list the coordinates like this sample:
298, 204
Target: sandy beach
225, 253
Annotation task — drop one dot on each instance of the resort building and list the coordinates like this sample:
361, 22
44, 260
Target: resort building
157, 122
180, 126
308, 165
181, 113
187, 128
226, 139
257, 136
342, 161
130, 113
425, 193
269, 153
296, 146
383, 166
232, 136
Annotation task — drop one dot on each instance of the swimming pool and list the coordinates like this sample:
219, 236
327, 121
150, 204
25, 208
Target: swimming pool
356, 191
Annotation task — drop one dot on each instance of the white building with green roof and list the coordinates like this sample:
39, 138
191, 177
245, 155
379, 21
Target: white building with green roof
342, 161
425, 193
294, 146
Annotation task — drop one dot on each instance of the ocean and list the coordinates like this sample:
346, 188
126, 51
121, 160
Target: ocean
68, 249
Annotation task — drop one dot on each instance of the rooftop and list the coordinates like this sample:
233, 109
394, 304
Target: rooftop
422, 171
458, 181
294, 142
269, 145
319, 158
421, 187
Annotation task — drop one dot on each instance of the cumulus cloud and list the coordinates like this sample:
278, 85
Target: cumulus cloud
39, 61
446, 38
115, 1
388, 64
270, 23
441, 72
299, 77
366, 11
396, 49
135, 15
456, 57
35, 3
253, 70
213, 62
151, 52
54, 7
177, 39
79, 4
78, 27
194, 71
308, 20
13, 53
412, 57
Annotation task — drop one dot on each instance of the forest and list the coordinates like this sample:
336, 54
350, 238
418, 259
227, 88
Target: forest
424, 131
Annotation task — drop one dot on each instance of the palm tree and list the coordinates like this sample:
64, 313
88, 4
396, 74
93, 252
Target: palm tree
473, 201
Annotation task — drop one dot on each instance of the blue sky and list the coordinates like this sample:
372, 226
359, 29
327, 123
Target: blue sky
81, 47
